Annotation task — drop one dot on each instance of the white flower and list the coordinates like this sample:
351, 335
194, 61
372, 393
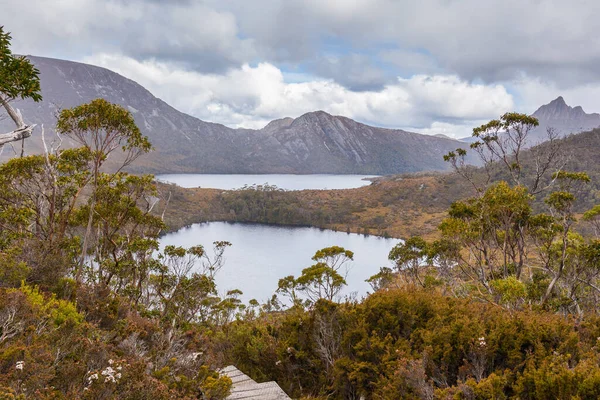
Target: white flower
278, 362
119, 368
482, 342
20, 365
110, 374
108, 371
110, 362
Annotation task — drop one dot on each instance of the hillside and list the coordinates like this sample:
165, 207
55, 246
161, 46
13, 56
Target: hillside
315, 142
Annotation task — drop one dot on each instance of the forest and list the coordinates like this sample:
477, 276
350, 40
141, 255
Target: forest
499, 304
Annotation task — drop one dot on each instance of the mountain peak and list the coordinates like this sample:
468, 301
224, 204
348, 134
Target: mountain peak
559, 101
319, 114
558, 109
314, 117
563, 118
316, 142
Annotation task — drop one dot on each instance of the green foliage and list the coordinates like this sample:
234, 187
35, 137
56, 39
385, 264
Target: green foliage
382, 279
321, 280
510, 291
508, 121
417, 343
57, 310
81, 241
18, 77
505, 306
101, 126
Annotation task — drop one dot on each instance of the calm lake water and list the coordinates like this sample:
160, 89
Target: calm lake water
283, 181
262, 254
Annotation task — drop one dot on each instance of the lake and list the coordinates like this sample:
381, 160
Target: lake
283, 181
262, 254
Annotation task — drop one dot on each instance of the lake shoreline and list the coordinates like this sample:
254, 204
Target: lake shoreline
274, 224
398, 208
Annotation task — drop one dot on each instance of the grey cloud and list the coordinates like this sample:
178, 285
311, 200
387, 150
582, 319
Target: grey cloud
493, 40
354, 71
182, 31
407, 62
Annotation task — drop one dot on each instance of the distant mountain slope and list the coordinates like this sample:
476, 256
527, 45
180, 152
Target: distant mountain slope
313, 143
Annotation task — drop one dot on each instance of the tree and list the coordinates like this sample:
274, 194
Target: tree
561, 204
499, 234
500, 146
592, 216
39, 197
102, 128
19, 79
409, 257
323, 279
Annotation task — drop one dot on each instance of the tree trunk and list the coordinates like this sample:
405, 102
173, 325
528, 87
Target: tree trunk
23, 131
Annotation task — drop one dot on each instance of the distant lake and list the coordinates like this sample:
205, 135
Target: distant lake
282, 181
262, 254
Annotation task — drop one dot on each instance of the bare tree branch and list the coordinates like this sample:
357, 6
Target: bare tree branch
23, 131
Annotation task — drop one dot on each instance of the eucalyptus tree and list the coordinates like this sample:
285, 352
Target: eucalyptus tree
503, 148
322, 280
19, 79
102, 128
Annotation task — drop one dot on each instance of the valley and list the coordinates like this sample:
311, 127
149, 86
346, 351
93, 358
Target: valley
148, 254
397, 206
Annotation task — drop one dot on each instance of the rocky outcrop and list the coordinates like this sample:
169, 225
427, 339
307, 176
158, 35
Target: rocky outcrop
563, 118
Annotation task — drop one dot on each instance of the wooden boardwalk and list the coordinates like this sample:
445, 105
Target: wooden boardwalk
244, 388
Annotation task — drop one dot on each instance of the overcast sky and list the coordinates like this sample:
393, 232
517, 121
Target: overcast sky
432, 66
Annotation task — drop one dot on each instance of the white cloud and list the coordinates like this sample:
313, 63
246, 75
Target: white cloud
456, 131
252, 96
533, 92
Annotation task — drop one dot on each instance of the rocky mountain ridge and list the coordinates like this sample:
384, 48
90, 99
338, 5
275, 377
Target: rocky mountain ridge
315, 142
564, 119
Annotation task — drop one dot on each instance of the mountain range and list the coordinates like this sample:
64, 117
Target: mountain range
315, 142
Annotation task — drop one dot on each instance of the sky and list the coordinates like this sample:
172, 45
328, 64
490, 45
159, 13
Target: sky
429, 66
